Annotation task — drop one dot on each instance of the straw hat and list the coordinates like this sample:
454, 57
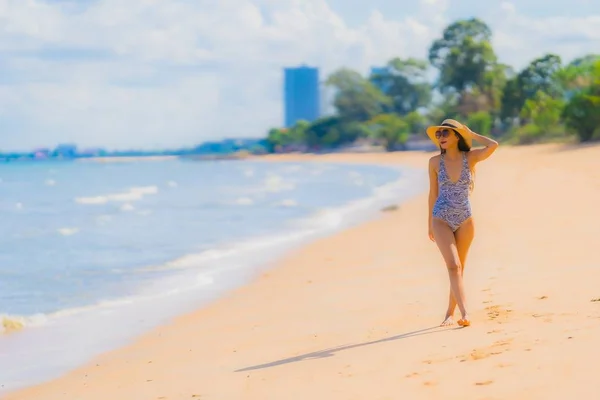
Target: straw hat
453, 124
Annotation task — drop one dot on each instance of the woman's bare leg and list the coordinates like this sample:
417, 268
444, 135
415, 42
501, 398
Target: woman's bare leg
446, 242
464, 237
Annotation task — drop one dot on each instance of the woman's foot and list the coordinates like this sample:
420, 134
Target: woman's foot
448, 321
464, 321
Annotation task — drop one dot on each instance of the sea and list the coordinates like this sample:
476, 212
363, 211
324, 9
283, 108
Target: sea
93, 254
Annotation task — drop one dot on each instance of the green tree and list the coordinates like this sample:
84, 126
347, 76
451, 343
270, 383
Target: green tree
480, 122
276, 138
542, 74
390, 129
463, 55
356, 98
323, 132
577, 75
582, 112
405, 82
416, 122
512, 99
582, 115
543, 110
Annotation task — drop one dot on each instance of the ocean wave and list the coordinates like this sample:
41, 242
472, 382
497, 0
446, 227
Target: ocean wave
200, 269
14, 323
133, 194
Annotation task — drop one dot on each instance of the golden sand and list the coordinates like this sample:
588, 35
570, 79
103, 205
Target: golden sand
354, 315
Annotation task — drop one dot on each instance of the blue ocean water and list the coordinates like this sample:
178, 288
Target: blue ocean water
94, 253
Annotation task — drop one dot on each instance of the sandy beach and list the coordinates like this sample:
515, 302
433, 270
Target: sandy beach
355, 315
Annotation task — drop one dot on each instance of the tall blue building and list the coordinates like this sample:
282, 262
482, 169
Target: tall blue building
301, 94
380, 71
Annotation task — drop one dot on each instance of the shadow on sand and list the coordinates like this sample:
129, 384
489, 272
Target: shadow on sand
331, 351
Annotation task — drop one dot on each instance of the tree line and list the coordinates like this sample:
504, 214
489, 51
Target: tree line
547, 100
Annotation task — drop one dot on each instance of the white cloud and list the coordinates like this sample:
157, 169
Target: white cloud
519, 38
167, 73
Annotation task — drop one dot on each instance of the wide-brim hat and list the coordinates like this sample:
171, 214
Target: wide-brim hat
454, 125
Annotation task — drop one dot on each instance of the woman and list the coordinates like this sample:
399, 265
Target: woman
450, 221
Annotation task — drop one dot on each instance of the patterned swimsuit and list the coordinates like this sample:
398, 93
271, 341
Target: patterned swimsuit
452, 205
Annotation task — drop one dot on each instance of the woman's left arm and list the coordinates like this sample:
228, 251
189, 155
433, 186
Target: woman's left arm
490, 146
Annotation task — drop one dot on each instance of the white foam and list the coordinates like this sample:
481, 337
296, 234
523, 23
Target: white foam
244, 201
293, 168
68, 231
133, 194
144, 190
127, 207
275, 183
287, 203
50, 182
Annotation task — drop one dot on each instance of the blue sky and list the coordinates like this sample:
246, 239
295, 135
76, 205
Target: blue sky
149, 74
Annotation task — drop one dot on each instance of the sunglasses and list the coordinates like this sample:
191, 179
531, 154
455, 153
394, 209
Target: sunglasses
443, 133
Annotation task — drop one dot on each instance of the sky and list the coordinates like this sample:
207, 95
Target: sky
153, 74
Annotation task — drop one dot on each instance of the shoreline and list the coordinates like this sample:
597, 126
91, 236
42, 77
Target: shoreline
353, 315
349, 214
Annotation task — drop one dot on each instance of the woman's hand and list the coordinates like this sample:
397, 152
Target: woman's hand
490, 144
431, 237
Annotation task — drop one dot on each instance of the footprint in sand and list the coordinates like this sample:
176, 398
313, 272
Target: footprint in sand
547, 317
493, 350
497, 313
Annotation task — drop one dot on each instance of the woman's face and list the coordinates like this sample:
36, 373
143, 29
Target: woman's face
447, 138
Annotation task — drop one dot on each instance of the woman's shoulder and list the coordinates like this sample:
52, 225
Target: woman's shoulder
435, 158
434, 162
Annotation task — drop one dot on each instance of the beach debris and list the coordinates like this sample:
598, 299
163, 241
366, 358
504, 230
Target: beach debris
9, 324
595, 300
390, 208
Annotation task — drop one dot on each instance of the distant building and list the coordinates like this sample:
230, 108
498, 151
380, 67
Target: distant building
301, 94
379, 71
65, 151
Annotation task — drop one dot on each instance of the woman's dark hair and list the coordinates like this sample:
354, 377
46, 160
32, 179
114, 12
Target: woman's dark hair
462, 144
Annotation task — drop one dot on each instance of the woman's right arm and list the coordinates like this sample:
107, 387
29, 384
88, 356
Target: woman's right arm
433, 193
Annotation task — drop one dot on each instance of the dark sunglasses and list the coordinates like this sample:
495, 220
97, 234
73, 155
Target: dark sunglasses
443, 133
